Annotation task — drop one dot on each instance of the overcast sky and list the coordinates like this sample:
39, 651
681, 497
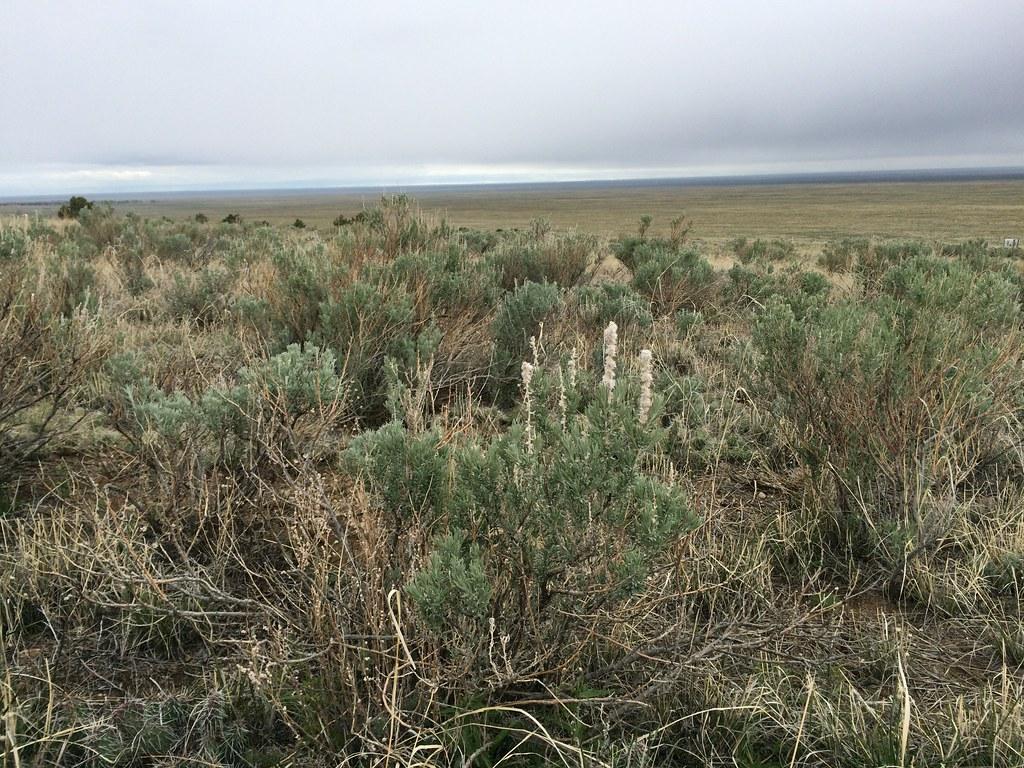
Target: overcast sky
148, 94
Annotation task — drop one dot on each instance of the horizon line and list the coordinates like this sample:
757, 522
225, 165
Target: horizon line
920, 174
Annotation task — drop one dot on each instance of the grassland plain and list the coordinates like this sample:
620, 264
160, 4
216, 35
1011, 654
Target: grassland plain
396, 493
808, 213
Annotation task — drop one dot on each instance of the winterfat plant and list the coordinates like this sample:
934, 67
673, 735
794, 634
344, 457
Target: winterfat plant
611, 348
646, 382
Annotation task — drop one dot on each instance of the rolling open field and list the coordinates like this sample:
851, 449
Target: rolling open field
809, 213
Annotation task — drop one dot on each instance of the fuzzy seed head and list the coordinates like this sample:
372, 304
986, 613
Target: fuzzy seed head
646, 384
611, 348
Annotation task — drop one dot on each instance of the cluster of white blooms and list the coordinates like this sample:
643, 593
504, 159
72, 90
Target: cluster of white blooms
527, 374
646, 382
563, 403
611, 348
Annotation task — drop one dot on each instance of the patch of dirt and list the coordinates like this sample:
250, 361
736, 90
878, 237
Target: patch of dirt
610, 270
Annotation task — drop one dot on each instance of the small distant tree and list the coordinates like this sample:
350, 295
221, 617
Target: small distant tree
73, 207
201, 218
299, 224
232, 218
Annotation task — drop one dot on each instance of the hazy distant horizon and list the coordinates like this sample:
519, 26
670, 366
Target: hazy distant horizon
300, 188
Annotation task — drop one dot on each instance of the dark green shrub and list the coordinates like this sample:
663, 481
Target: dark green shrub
452, 587
872, 264
841, 255
174, 246
687, 321
399, 226
72, 279
601, 304
671, 280
444, 283
518, 318
99, 226
762, 250
636, 250
341, 220
886, 394
14, 244
560, 516
73, 207
365, 325
477, 240
752, 287
304, 276
562, 260
202, 297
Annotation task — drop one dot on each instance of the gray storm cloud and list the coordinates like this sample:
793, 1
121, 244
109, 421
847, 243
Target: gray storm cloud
131, 95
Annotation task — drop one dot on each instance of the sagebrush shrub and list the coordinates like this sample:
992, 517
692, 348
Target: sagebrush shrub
892, 394
202, 297
544, 258
601, 304
841, 255
762, 250
365, 324
14, 243
519, 317
44, 359
443, 282
751, 287
568, 512
281, 405
875, 261
672, 280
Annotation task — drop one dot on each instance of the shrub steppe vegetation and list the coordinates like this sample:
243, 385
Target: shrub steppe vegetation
399, 493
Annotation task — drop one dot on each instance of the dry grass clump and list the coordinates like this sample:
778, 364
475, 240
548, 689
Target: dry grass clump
395, 494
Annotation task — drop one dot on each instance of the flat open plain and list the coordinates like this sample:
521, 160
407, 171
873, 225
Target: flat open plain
808, 213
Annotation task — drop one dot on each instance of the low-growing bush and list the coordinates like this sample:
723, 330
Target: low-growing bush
672, 280
872, 264
752, 287
762, 250
44, 358
279, 408
202, 297
543, 528
14, 243
599, 305
841, 255
898, 394
561, 259
518, 318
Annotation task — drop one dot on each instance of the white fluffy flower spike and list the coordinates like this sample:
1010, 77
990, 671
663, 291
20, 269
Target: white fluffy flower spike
646, 382
611, 348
